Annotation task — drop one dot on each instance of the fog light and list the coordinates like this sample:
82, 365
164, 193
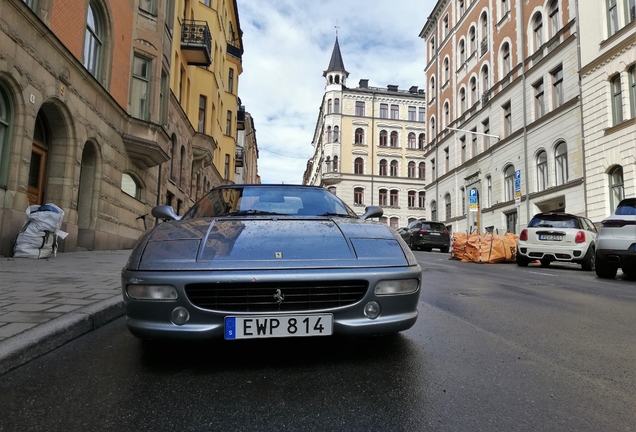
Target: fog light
372, 310
180, 315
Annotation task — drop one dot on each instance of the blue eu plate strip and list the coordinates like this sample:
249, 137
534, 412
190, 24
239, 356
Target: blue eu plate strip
230, 328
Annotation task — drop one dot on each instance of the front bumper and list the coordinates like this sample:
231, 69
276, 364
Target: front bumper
151, 319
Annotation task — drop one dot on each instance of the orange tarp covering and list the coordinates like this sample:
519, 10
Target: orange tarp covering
494, 248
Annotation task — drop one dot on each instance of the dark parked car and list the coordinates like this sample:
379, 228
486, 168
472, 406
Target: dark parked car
426, 235
616, 242
262, 261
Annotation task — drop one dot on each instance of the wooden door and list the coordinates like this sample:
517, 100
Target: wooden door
37, 172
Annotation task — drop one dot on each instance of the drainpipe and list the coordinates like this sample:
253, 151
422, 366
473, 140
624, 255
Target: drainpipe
578, 56
525, 119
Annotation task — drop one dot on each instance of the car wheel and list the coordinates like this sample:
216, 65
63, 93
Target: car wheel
604, 271
522, 261
629, 272
588, 261
545, 263
444, 249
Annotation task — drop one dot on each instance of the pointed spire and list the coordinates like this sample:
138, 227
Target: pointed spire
336, 64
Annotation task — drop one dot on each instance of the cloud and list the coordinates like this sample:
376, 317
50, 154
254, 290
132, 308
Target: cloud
288, 45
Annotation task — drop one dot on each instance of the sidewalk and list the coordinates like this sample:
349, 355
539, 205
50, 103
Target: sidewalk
45, 303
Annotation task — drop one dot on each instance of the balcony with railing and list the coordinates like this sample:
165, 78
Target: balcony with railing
196, 42
240, 156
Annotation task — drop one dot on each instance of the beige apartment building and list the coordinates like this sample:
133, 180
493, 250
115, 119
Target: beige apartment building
503, 113
369, 145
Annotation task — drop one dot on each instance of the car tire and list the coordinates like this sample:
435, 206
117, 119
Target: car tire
604, 271
444, 249
545, 263
630, 273
522, 261
588, 262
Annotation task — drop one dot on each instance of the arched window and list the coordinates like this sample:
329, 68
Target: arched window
462, 101
561, 162
433, 131
472, 37
174, 163
473, 91
542, 171
555, 19
505, 59
410, 199
421, 170
421, 141
446, 114
537, 28
617, 192
335, 163
336, 134
462, 52
383, 195
394, 168
182, 166
394, 198
6, 120
358, 166
394, 139
632, 89
336, 105
411, 140
485, 78
446, 70
94, 41
421, 199
328, 134
130, 186
509, 183
383, 138
383, 167
484, 33
434, 210
411, 169
329, 106
358, 196
432, 87
359, 138
617, 100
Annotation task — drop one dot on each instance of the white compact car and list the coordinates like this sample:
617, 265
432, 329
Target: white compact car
555, 236
616, 242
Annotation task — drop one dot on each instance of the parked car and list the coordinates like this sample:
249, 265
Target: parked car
616, 242
555, 236
263, 261
426, 235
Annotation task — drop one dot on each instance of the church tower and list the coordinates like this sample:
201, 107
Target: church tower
336, 74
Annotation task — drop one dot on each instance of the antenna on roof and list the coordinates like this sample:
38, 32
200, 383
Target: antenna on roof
336, 27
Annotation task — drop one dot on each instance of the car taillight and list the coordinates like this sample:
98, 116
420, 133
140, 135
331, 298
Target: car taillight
616, 223
423, 231
524, 235
446, 233
580, 237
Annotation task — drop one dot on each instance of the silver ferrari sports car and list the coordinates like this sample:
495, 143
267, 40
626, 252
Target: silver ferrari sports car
263, 261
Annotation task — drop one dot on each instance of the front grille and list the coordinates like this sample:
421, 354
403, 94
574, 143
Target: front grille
262, 296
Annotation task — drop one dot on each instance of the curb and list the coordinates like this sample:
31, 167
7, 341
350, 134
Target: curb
44, 338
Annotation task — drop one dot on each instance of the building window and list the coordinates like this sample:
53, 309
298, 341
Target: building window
226, 171
542, 171
630, 5
93, 45
485, 78
6, 121
421, 114
383, 138
433, 134
462, 52
130, 186
336, 134
394, 168
484, 35
411, 141
511, 222
445, 29
358, 166
411, 199
463, 193
617, 191
505, 7
555, 20
411, 113
539, 106
383, 197
411, 169
421, 141
181, 76
488, 191
329, 106
384, 110
394, 202
473, 40
612, 17
486, 127
394, 139
164, 91
462, 142
473, 90
432, 51
149, 6
446, 114
561, 161
433, 170
505, 60
395, 112
617, 101
446, 70
203, 101
359, 138
447, 206
358, 196
537, 25
446, 159
507, 119
328, 134
228, 123
632, 88
421, 170
335, 164
473, 138
509, 183
461, 7
174, 161
433, 210
230, 81
462, 101
421, 199
394, 222
432, 88
557, 87
140, 90
336, 105
383, 167
182, 167
359, 108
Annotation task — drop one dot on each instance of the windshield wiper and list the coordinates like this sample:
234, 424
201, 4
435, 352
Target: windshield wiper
336, 214
254, 212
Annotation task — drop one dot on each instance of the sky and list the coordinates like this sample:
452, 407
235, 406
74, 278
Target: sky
287, 47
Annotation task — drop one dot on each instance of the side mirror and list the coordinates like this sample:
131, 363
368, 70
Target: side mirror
165, 212
371, 212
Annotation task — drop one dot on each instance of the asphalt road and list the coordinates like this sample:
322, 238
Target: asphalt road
496, 348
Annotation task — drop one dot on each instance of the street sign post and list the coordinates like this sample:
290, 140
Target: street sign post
518, 187
474, 204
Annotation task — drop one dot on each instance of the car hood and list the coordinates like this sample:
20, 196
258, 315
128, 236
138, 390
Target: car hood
267, 243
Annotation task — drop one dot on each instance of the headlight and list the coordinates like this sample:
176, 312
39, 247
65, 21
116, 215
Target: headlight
151, 292
400, 286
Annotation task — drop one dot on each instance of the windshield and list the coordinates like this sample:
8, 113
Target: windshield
269, 200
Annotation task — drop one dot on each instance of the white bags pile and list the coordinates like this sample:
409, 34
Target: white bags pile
38, 236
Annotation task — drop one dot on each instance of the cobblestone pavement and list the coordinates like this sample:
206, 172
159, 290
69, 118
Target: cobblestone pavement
44, 303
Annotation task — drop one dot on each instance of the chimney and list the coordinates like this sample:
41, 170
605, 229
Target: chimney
364, 83
413, 90
392, 88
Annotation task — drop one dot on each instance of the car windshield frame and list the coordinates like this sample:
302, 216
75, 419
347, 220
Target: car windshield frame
555, 221
260, 200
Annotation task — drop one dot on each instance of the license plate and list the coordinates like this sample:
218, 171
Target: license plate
551, 237
253, 327
434, 233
